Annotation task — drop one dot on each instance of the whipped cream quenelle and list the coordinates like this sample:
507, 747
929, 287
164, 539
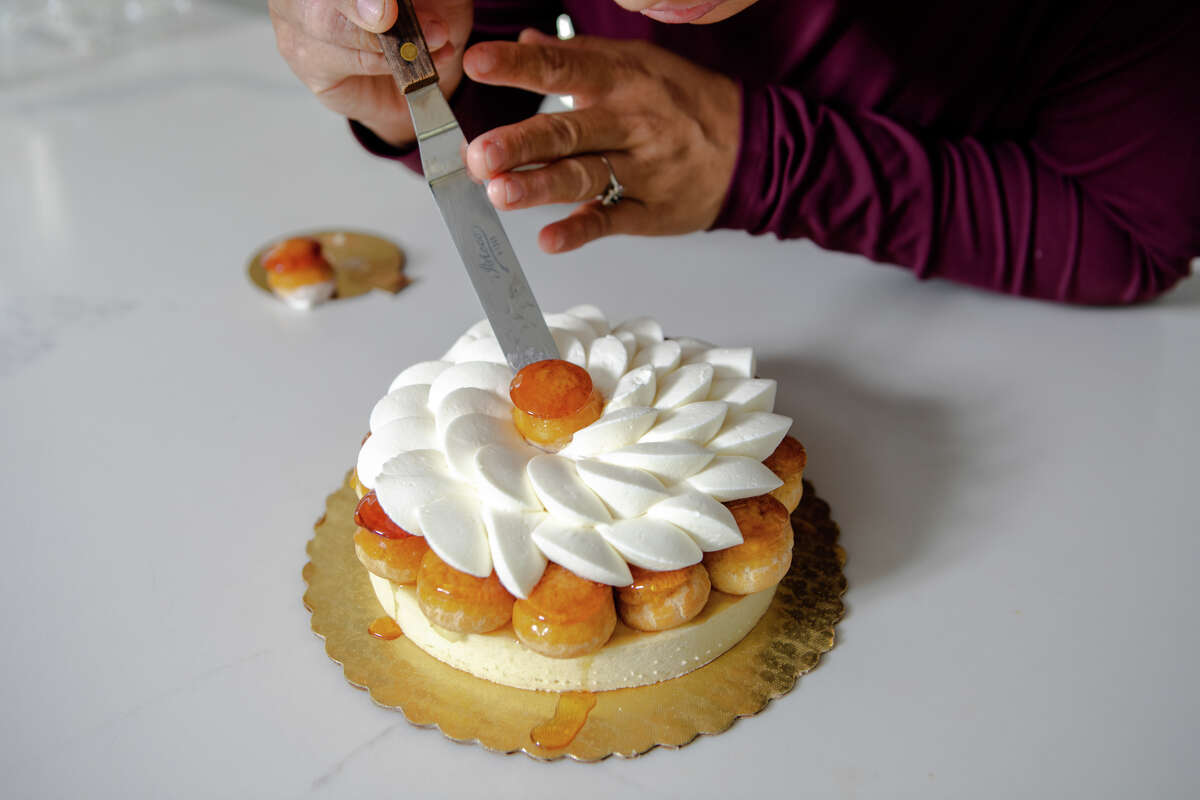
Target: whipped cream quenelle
685, 428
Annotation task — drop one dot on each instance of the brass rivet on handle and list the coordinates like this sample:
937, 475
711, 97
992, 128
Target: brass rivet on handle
408, 51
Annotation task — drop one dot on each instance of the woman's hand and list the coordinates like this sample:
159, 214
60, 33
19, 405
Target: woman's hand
668, 127
332, 47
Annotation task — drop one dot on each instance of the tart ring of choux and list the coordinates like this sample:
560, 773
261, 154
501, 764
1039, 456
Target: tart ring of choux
765, 554
787, 462
659, 601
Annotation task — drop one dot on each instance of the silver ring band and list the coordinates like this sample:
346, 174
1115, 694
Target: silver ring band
615, 191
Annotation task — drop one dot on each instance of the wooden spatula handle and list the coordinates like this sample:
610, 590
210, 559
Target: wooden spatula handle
406, 52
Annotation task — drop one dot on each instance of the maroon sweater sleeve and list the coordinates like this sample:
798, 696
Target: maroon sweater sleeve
480, 107
1101, 205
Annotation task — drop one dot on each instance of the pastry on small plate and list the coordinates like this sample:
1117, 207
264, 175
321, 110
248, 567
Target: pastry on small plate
298, 273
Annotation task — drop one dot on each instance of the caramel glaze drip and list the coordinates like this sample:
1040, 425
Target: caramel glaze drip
385, 628
369, 514
569, 717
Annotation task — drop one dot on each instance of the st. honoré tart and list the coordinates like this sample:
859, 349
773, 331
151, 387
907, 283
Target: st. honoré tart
615, 518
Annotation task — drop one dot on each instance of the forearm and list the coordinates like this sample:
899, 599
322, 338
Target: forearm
990, 215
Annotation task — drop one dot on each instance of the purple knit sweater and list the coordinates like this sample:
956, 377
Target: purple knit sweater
1048, 148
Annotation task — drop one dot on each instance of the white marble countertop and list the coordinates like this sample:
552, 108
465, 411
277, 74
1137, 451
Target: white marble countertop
1014, 480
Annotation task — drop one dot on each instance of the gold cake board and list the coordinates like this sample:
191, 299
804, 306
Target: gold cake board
786, 643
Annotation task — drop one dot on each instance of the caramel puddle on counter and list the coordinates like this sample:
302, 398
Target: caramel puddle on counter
385, 628
569, 716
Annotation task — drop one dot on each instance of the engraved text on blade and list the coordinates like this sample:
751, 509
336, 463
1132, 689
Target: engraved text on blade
488, 249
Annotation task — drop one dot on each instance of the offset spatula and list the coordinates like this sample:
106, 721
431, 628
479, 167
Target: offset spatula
473, 223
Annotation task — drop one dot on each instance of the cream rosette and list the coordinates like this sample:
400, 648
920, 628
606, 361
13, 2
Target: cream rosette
685, 428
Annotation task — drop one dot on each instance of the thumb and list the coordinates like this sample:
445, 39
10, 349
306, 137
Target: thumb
372, 15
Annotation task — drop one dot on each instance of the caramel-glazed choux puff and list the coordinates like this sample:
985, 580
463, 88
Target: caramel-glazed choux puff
460, 602
765, 554
398, 560
659, 601
382, 546
787, 462
565, 615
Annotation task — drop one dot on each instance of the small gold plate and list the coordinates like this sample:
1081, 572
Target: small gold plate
787, 642
361, 262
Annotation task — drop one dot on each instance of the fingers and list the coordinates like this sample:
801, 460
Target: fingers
321, 64
544, 138
598, 43
352, 23
324, 46
374, 100
375, 16
534, 36
323, 20
542, 64
590, 222
571, 180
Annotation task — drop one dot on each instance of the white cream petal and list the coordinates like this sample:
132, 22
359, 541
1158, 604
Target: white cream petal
569, 347
563, 492
418, 464
607, 361
402, 496
670, 462
754, 435
745, 394
485, 348
452, 355
407, 401
501, 479
582, 550
393, 438
690, 347
470, 400
581, 329
593, 316
471, 374
613, 430
629, 340
697, 422
635, 388
646, 330
729, 362
421, 372
710, 524
688, 384
627, 491
663, 356
517, 560
454, 530
481, 329
652, 543
734, 477
463, 437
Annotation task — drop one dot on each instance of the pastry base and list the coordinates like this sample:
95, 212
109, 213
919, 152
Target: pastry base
788, 640
630, 658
